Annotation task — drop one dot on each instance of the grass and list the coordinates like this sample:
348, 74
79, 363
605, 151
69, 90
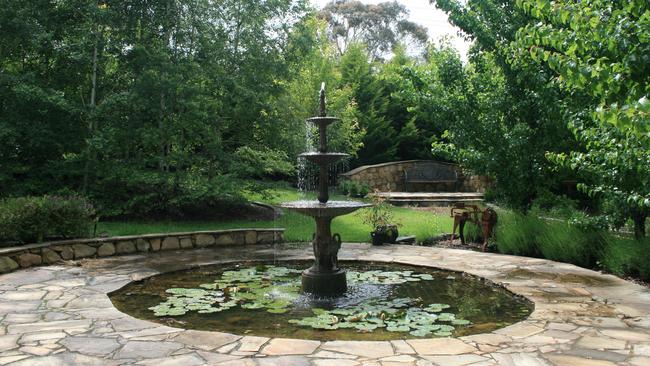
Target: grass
422, 224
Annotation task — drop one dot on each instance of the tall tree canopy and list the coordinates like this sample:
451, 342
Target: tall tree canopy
145, 106
507, 131
381, 27
600, 52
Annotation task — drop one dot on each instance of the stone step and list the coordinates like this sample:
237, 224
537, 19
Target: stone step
429, 202
407, 239
431, 198
430, 195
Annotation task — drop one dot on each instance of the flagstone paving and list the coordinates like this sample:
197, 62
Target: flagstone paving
61, 315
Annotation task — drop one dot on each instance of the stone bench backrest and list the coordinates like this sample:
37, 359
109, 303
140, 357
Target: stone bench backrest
431, 172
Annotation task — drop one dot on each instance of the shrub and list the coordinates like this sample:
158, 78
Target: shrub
34, 219
155, 195
380, 214
553, 205
353, 188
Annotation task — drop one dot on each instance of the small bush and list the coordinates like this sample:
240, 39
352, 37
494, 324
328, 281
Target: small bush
34, 219
353, 188
553, 205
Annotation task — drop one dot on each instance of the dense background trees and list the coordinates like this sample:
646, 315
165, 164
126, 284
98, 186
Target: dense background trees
169, 107
149, 106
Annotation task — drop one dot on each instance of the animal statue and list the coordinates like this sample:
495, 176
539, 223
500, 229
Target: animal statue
462, 213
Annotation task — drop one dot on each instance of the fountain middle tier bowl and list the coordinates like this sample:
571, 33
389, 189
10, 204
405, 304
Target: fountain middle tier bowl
323, 121
328, 209
323, 159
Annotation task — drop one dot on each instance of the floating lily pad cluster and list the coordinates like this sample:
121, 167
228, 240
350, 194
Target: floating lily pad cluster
274, 289
397, 315
387, 277
265, 287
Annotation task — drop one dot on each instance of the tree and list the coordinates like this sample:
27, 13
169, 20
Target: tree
380, 27
521, 121
600, 52
597, 47
155, 104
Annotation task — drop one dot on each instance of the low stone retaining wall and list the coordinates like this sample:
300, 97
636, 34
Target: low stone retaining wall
25, 256
389, 177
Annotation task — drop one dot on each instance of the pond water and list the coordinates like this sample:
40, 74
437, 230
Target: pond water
383, 302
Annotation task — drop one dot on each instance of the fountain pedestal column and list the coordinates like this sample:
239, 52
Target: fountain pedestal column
324, 278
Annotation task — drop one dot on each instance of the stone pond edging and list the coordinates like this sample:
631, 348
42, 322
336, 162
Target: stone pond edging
25, 256
62, 315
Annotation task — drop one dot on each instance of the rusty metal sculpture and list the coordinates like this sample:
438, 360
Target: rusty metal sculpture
463, 213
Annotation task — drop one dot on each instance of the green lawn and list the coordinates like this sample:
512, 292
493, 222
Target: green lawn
422, 224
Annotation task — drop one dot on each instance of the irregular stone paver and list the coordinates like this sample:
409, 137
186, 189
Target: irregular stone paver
252, 344
95, 346
205, 340
441, 346
284, 346
458, 360
359, 348
184, 360
61, 315
144, 349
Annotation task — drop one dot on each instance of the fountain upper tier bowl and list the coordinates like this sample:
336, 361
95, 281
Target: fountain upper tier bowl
329, 209
322, 159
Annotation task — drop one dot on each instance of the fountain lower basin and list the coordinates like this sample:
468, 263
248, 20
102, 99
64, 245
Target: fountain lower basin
269, 302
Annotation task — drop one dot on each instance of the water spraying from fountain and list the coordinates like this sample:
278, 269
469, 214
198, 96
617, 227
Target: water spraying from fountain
324, 278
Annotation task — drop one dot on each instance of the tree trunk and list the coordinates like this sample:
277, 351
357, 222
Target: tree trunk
91, 123
639, 219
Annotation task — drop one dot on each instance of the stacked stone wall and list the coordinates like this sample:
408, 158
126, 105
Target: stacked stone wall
389, 177
13, 258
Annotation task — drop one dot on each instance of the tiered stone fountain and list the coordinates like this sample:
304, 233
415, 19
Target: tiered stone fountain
325, 277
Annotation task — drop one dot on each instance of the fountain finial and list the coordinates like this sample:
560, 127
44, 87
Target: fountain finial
323, 112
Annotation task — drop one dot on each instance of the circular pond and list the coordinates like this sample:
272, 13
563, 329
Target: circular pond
383, 302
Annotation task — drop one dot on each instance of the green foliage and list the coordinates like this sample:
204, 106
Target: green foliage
274, 289
616, 171
507, 115
558, 206
34, 219
597, 47
318, 63
148, 105
380, 215
353, 188
627, 257
531, 235
599, 51
262, 163
381, 27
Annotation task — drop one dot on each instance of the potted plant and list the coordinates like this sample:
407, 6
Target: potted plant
380, 217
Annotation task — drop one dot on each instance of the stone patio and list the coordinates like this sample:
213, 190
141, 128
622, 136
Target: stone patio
61, 315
